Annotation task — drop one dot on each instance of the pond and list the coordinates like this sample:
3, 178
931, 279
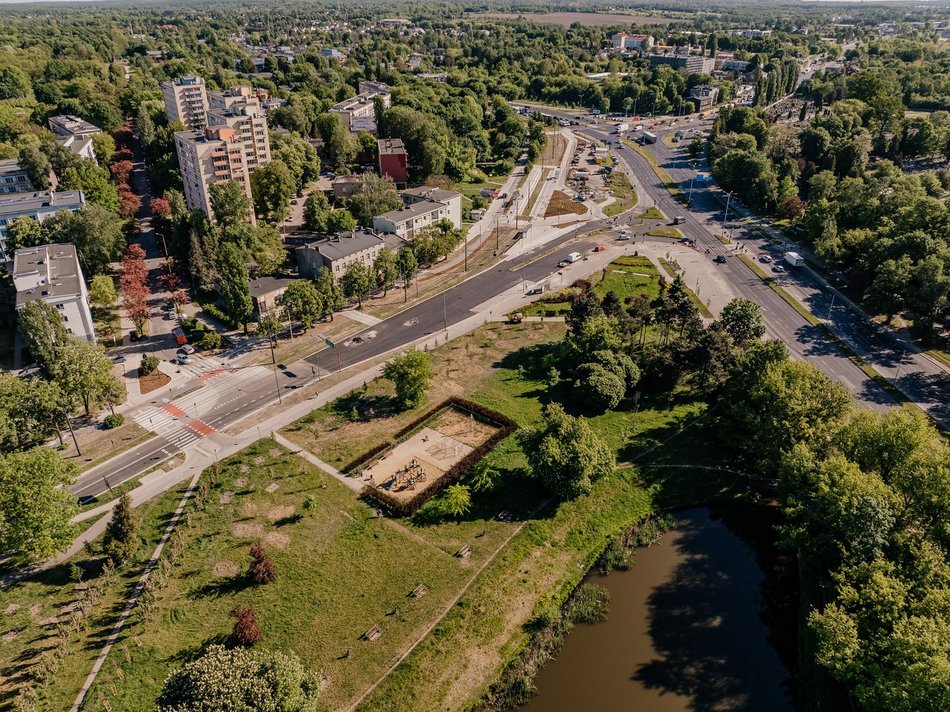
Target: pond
685, 630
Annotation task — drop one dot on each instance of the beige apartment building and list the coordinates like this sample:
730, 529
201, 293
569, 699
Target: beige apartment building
215, 154
240, 109
186, 100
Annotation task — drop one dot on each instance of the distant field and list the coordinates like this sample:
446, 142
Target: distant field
589, 19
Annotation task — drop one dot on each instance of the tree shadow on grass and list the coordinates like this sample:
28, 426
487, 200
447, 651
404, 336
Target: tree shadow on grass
357, 406
217, 588
193, 652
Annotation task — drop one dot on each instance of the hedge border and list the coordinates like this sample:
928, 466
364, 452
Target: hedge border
506, 427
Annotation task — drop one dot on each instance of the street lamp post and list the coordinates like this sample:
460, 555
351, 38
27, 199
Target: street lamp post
725, 215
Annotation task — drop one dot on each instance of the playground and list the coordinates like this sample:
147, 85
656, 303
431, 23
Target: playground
413, 465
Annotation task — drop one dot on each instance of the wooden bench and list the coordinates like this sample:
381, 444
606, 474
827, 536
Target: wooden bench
372, 634
464, 552
419, 591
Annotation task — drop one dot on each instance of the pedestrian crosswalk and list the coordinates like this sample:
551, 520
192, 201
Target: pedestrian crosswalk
174, 424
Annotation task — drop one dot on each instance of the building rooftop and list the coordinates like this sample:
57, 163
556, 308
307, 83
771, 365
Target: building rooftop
53, 269
267, 285
343, 245
22, 203
428, 192
69, 124
390, 146
413, 210
10, 165
188, 81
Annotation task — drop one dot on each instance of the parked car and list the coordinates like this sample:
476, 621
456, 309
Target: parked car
765, 258
119, 358
623, 237
187, 350
778, 268
599, 248
133, 336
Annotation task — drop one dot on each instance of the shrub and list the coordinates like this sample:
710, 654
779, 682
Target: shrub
148, 365
121, 539
589, 604
262, 569
599, 389
210, 341
246, 632
112, 421
215, 313
239, 679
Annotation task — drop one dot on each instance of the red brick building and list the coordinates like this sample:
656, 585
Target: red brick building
393, 159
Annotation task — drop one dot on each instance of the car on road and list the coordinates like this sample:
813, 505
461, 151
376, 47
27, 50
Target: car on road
678, 220
599, 248
765, 258
119, 358
778, 268
182, 359
687, 241
563, 263
719, 259
186, 350
169, 316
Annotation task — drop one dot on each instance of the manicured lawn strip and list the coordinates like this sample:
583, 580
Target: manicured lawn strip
653, 213
51, 591
665, 232
939, 355
626, 196
723, 239
340, 572
563, 204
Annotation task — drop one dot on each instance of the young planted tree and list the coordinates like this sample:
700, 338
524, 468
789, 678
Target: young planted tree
357, 282
262, 569
410, 373
406, 266
247, 631
455, 501
122, 539
330, 292
102, 292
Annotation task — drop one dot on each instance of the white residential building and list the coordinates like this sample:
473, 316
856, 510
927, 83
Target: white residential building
51, 273
38, 206
186, 100
212, 155
13, 178
359, 112
622, 41
75, 134
424, 206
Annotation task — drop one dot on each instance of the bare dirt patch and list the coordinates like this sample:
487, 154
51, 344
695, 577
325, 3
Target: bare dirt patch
276, 513
277, 540
271, 488
247, 530
274, 452
11, 609
226, 569
11, 635
35, 610
226, 498
241, 481
153, 381
259, 460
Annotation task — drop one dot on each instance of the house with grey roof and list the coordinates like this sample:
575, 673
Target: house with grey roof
338, 252
38, 206
51, 273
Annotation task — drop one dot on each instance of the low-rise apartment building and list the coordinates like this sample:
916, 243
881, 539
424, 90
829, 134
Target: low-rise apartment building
13, 177
423, 207
692, 63
622, 41
359, 113
186, 100
51, 273
703, 96
338, 252
38, 205
75, 134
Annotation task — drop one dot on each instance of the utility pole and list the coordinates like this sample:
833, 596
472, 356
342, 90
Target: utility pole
725, 215
445, 319
273, 358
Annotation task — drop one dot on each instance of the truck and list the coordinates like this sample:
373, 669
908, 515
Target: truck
793, 259
649, 137
622, 128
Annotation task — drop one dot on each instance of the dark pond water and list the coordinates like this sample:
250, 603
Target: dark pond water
685, 632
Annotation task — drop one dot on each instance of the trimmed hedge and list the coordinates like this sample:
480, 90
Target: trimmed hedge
506, 427
366, 457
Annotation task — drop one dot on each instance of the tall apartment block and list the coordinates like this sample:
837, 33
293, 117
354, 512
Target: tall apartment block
240, 109
214, 154
187, 101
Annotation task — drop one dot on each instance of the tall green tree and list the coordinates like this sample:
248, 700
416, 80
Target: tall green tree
42, 328
35, 504
235, 285
742, 320
102, 292
330, 293
411, 373
84, 373
302, 302
376, 195
407, 267
565, 454
357, 282
316, 211
122, 538
272, 186
22, 232
385, 270
230, 204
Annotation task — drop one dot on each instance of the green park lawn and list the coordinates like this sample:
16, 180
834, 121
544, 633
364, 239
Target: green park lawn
628, 276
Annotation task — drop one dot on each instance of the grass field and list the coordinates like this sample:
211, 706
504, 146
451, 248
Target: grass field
665, 232
628, 276
563, 204
626, 196
653, 213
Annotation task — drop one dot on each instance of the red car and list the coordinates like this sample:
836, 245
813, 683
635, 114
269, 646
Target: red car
599, 248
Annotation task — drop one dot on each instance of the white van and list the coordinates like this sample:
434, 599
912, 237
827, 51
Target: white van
573, 257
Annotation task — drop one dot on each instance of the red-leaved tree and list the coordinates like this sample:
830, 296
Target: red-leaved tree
134, 286
246, 629
129, 204
121, 170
